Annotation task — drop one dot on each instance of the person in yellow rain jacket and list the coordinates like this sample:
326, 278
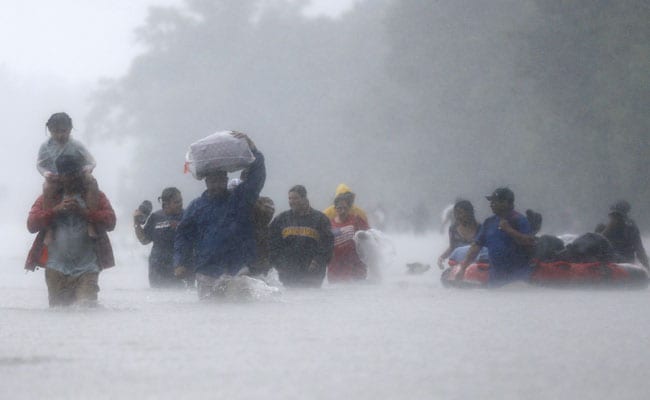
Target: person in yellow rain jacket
330, 211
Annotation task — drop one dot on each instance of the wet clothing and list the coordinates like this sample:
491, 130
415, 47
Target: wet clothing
71, 251
296, 241
626, 241
346, 264
457, 240
41, 219
508, 260
73, 259
51, 150
64, 290
219, 231
160, 229
262, 216
330, 211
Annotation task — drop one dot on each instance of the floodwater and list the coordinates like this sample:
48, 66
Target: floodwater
404, 338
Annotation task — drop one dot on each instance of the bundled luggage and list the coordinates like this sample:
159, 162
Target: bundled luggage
218, 152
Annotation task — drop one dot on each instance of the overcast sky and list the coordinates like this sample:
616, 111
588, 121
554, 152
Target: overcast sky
81, 40
53, 54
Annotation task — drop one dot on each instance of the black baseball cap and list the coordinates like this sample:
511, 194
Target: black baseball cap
502, 193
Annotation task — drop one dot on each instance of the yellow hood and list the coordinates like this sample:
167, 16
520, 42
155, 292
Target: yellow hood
342, 188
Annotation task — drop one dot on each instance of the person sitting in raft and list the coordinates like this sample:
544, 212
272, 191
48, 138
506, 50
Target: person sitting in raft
330, 211
463, 231
507, 236
623, 234
345, 264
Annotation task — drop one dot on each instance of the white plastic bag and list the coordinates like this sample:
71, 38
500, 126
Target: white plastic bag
376, 250
217, 152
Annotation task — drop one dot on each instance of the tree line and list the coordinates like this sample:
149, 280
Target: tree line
411, 103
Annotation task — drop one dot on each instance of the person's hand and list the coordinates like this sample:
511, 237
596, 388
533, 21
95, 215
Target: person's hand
240, 135
504, 225
137, 217
180, 271
71, 205
68, 204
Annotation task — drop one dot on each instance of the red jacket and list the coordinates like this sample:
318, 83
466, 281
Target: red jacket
345, 263
39, 220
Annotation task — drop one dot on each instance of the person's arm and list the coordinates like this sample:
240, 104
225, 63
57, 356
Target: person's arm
103, 217
184, 240
450, 248
641, 255
521, 236
469, 258
251, 187
39, 218
444, 256
276, 243
473, 251
326, 242
141, 232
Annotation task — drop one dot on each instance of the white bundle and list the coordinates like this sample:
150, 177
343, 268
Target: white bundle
375, 250
218, 152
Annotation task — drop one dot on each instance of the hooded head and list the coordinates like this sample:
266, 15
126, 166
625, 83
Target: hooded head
343, 188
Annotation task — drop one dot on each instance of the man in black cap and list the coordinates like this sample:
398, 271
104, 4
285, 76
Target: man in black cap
507, 236
623, 234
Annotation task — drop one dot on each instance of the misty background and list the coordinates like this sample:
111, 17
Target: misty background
410, 103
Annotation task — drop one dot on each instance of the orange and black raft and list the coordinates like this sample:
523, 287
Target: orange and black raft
557, 274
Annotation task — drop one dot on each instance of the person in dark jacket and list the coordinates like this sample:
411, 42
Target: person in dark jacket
160, 228
301, 242
262, 216
623, 234
217, 228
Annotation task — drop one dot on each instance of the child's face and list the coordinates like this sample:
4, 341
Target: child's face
60, 134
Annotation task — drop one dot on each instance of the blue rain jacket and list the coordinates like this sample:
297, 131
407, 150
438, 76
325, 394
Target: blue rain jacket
217, 233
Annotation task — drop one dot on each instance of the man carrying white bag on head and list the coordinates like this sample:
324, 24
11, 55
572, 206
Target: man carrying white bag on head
221, 151
217, 230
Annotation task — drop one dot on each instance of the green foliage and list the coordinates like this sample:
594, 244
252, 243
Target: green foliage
590, 62
430, 99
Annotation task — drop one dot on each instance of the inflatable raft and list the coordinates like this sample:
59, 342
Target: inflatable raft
557, 274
